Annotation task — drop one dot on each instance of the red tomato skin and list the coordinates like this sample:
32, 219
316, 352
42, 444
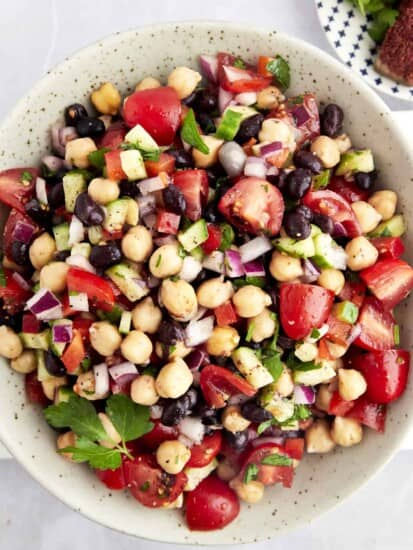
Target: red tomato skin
303, 307
13, 191
30, 324
212, 505
167, 222
389, 248
158, 110
268, 475
205, 452
214, 239
225, 314
295, 447
217, 382
248, 81
113, 479
114, 170
339, 406
377, 326
372, 415
9, 232
97, 289
353, 291
195, 188
158, 435
74, 353
34, 390
82, 325
389, 280
166, 163
114, 135
14, 297
338, 331
224, 58
347, 189
263, 61
386, 373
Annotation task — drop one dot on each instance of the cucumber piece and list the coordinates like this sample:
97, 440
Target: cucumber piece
346, 311
74, 184
297, 249
322, 180
63, 394
39, 340
139, 137
126, 279
315, 376
81, 249
249, 365
328, 254
198, 253
315, 230
125, 322
116, 213
55, 347
355, 161
133, 165
95, 234
231, 121
196, 475
61, 236
281, 408
42, 373
196, 234
395, 227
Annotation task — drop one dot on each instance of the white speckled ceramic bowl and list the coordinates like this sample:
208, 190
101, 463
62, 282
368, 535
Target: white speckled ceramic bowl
321, 481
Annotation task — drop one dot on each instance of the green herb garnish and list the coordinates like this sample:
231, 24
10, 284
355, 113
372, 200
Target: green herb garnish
3, 280
280, 69
191, 135
277, 460
26, 177
251, 473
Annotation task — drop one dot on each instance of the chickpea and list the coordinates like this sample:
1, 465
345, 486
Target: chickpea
223, 341
78, 151
137, 244
269, 98
273, 129
226, 471
214, 293
10, 344
233, 421
42, 250
147, 83
176, 350
165, 261
205, 160
336, 350
51, 385
318, 438
250, 301
25, 363
179, 298
366, 215
136, 347
143, 390
250, 492
306, 351
113, 435
351, 384
327, 151
172, 456
68, 439
346, 432
184, 81
323, 397
343, 143
262, 326
146, 316
285, 384
103, 190
53, 276
361, 254
104, 338
174, 379
285, 268
85, 386
106, 99
332, 279
385, 202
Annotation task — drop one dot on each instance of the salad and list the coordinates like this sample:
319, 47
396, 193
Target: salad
198, 286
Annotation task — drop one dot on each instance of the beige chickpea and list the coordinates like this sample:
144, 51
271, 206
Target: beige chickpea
184, 81
148, 83
10, 344
361, 254
42, 250
179, 298
172, 456
226, 471
332, 279
174, 379
205, 160
222, 341
285, 384
285, 268
25, 363
343, 143
318, 438
269, 98
67, 439
366, 215
78, 151
251, 492
104, 338
136, 347
113, 435
165, 261
53, 276
273, 129
262, 326
233, 421
250, 301
351, 384
146, 316
85, 386
346, 432
103, 190
214, 293
51, 385
385, 202
106, 99
137, 244
323, 397
327, 151
171, 352
143, 390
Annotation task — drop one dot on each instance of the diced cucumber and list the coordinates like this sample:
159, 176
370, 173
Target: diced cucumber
320, 181
126, 278
196, 475
395, 227
55, 347
198, 253
42, 373
139, 137
297, 249
231, 121
328, 254
355, 161
315, 376
81, 249
73, 184
133, 165
61, 235
116, 213
346, 311
196, 234
281, 408
249, 365
315, 230
40, 340
95, 234
125, 322
63, 394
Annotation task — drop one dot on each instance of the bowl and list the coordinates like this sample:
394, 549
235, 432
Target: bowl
124, 58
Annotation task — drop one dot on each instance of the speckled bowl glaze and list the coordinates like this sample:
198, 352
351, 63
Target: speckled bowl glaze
321, 481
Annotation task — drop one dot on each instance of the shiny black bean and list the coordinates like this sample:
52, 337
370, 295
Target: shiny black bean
183, 159
237, 440
62, 255
14, 321
296, 226
298, 182
275, 297
332, 120
249, 128
307, 159
285, 342
90, 127
209, 416
206, 100
190, 399
189, 100
88, 211
210, 213
170, 332
54, 365
173, 412
20, 252
56, 196
104, 256
54, 177
304, 211
325, 223
365, 180
206, 122
74, 113
128, 188
174, 199
279, 180
252, 411
38, 213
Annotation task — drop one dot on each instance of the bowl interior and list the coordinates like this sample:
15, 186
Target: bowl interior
321, 481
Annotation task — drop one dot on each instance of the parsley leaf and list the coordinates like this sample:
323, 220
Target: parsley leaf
250, 330
97, 158
274, 365
295, 364
3, 280
239, 63
130, 419
280, 69
265, 425
251, 473
227, 236
191, 135
277, 460
97, 456
26, 177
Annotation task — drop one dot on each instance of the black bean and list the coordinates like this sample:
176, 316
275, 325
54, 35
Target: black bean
237, 440
54, 365
254, 412
307, 159
190, 99
54, 177
206, 122
210, 213
296, 225
88, 211
209, 416
190, 399
90, 127
104, 256
173, 411
174, 199
206, 100
62, 255
170, 332
183, 159
332, 120
20, 252
279, 180
12, 320
74, 113
275, 296
249, 128
304, 211
285, 342
325, 223
365, 180
128, 188
56, 196
298, 182
38, 213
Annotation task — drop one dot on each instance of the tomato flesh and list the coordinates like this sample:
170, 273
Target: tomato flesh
74, 353
218, 383
13, 296
268, 474
166, 163
114, 136
372, 415
167, 222
389, 280
377, 326
114, 170
294, 447
195, 187
338, 331
13, 191
353, 291
347, 189
214, 239
97, 289
388, 247
113, 479
158, 435
34, 390
339, 406
225, 314
205, 452
238, 81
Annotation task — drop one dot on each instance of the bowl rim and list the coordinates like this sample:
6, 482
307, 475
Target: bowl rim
17, 451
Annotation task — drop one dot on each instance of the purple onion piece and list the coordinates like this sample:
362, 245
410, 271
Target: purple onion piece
233, 264
196, 358
43, 301
304, 395
62, 334
301, 115
52, 163
271, 148
23, 232
339, 230
123, 369
209, 66
311, 272
254, 269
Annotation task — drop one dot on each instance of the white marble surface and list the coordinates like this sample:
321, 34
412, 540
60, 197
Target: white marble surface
35, 35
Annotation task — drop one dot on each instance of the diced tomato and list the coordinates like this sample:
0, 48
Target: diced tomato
149, 484
68, 311
225, 314
211, 505
333, 205
385, 372
347, 189
339, 406
195, 187
253, 205
238, 81
323, 350
34, 390
377, 326
263, 61
353, 291
158, 110
218, 383
158, 435
13, 190
294, 447
11, 229
368, 413
389, 280
338, 331
97, 289
214, 239
224, 59
267, 474
112, 236
30, 324
167, 222
205, 452
302, 113
303, 307
166, 163
13, 296
389, 247
74, 353
114, 135
113, 479
114, 170
82, 325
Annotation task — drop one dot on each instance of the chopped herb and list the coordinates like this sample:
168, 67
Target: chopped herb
3, 281
152, 154
159, 260
97, 158
145, 486
181, 251
227, 236
250, 331
274, 365
150, 371
26, 177
396, 334
265, 425
295, 364
172, 349
315, 333
239, 63
381, 15
277, 460
280, 69
86, 363
191, 135
251, 473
